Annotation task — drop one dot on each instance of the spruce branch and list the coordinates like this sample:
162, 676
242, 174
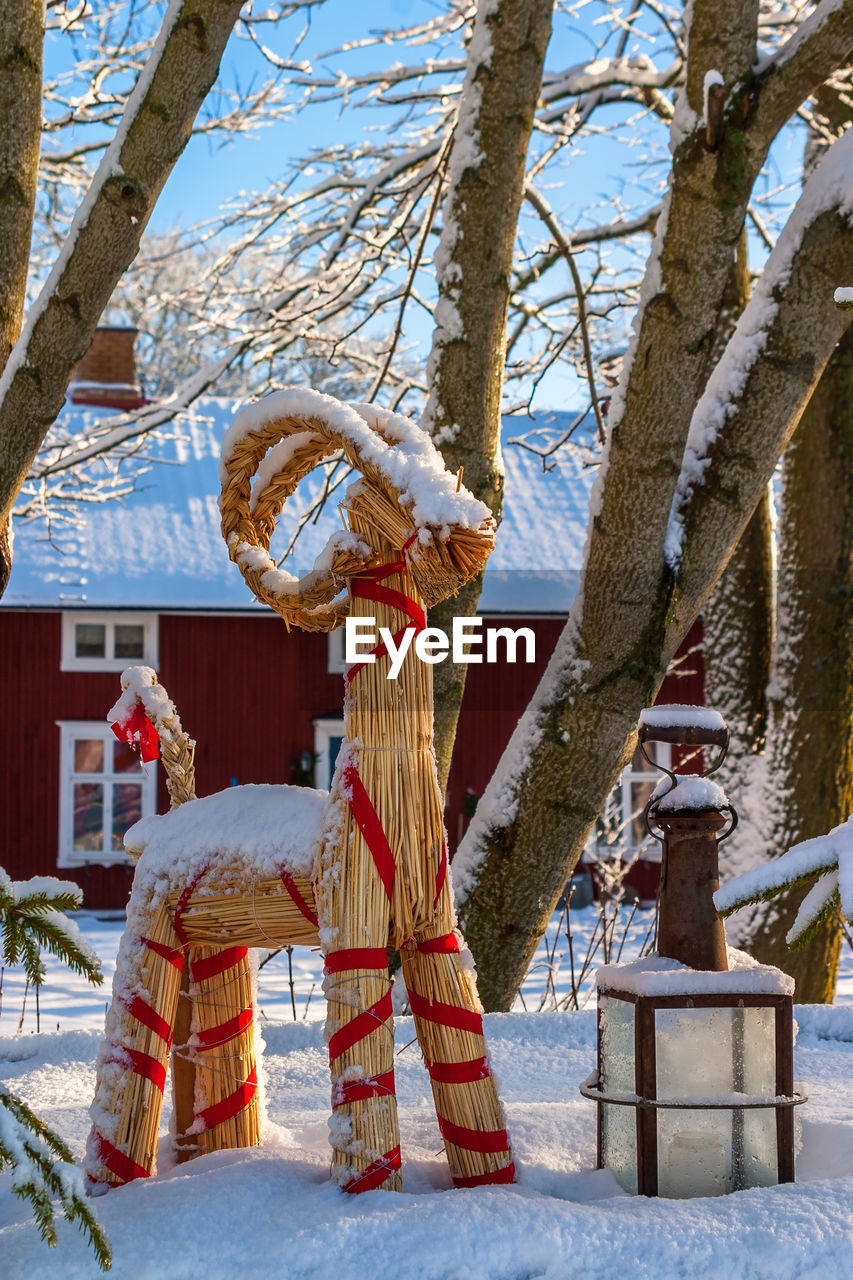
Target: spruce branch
32, 919
42, 1172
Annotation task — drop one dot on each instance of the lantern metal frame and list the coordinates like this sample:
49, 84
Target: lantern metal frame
647, 1104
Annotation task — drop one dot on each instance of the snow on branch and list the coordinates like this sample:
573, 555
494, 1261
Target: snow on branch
830, 188
110, 433
638, 71
828, 858
43, 1170
821, 42
106, 230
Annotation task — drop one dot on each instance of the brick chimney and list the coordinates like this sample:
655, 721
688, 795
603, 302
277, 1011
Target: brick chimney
106, 375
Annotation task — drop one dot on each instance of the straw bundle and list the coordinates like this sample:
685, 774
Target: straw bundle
391, 720
225, 1067
231, 912
183, 1068
468, 1110
364, 1131
210, 1058
388, 731
178, 756
444, 561
139, 1100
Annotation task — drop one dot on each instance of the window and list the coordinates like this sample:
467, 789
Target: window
328, 736
622, 828
638, 782
103, 791
335, 661
108, 641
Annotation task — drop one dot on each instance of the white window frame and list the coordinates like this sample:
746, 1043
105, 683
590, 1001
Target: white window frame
336, 663
109, 620
325, 729
662, 753
70, 731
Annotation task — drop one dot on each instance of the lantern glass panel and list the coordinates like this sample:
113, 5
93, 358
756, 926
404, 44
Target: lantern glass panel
618, 1124
709, 1055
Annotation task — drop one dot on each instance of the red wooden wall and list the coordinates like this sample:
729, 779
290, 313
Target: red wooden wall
245, 690
495, 697
248, 692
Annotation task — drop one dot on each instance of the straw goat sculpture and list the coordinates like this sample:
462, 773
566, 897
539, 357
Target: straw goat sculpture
357, 871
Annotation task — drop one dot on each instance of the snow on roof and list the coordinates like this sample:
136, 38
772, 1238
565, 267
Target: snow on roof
161, 547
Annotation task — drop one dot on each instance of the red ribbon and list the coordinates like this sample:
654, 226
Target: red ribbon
117, 1162
290, 885
231, 1106
369, 588
138, 724
375, 1174
447, 1015
150, 1018
370, 827
448, 944
345, 1091
366, 587
441, 874
182, 905
206, 967
356, 958
360, 1026
495, 1178
488, 1142
141, 1064
213, 1037
172, 954
459, 1072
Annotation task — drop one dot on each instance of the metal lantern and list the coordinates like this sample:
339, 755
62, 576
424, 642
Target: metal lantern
694, 1083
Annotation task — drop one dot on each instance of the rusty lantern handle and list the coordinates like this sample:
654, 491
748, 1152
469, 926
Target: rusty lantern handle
684, 736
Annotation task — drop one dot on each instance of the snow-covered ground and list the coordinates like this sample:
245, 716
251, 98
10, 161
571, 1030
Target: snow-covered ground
272, 1211
67, 1003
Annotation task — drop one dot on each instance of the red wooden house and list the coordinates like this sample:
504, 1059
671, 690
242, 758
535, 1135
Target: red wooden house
147, 580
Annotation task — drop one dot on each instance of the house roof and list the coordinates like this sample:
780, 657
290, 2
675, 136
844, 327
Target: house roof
160, 547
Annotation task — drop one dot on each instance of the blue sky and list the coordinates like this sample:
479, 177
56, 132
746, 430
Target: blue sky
210, 172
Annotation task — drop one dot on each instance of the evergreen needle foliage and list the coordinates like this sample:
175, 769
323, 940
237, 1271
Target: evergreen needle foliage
31, 918
42, 1171
42, 1166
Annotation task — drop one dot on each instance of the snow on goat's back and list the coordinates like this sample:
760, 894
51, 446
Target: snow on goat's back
267, 826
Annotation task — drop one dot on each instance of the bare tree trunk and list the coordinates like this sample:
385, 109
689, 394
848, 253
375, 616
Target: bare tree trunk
811, 749
21, 48
647, 575
104, 237
738, 635
809, 784
474, 263
737, 621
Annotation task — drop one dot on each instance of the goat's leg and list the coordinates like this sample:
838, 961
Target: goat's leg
359, 1025
226, 1106
213, 1057
133, 1061
183, 1070
443, 997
